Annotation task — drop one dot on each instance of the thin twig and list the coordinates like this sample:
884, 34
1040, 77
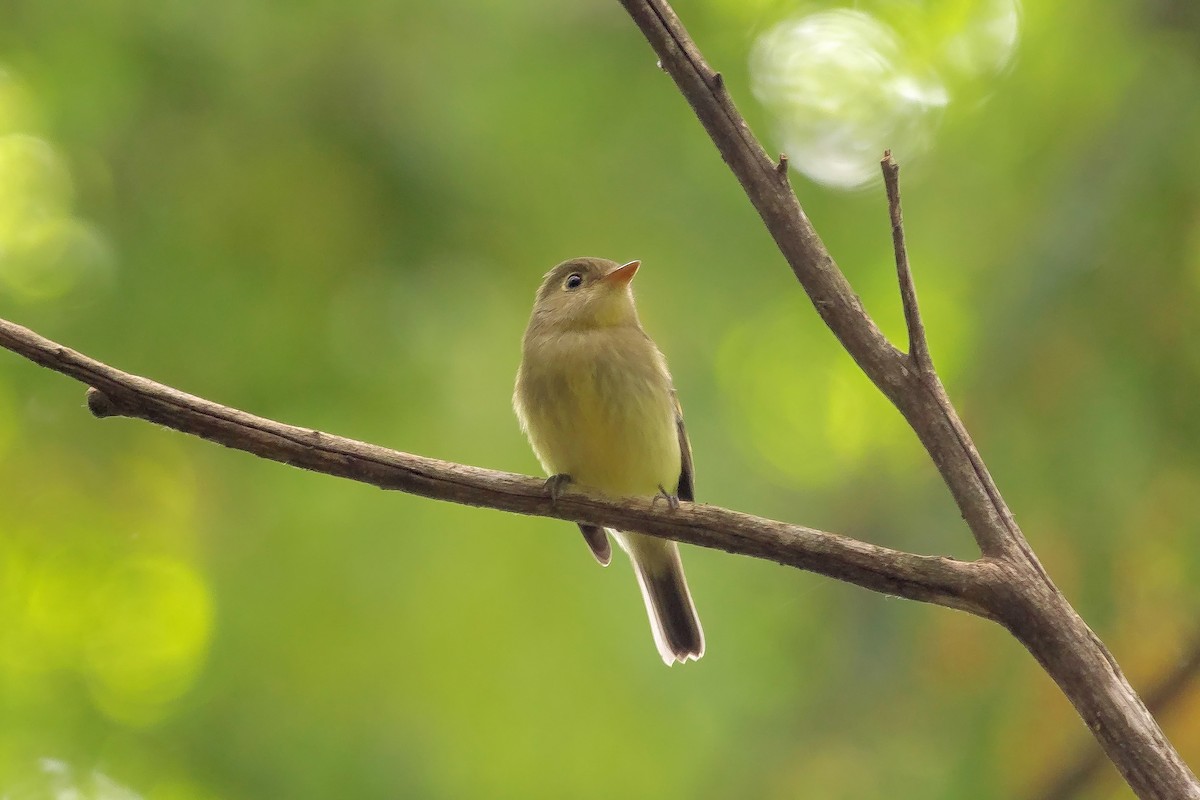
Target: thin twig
942, 581
918, 347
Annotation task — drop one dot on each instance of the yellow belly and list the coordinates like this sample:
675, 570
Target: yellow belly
606, 420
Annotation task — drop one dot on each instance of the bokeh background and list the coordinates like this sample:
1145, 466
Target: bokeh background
335, 214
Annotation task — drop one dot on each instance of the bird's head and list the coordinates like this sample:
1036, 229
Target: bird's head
585, 293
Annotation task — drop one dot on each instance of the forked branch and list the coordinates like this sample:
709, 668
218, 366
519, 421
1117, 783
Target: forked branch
1029, 605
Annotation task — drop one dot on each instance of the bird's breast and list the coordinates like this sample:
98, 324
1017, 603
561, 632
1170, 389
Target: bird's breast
600, 410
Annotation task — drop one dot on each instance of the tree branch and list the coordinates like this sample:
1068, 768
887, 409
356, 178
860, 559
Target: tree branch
918, 347
930, 579
831, 294
1074, 776
1028, 603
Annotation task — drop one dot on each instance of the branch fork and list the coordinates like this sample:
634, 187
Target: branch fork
1026, 601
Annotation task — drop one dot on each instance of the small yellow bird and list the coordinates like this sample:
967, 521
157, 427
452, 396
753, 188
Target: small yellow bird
597, 403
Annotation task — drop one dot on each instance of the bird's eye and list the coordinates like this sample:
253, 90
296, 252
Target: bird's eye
574, 281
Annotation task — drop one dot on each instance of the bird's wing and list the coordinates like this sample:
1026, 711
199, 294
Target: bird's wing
686, 487
597, 540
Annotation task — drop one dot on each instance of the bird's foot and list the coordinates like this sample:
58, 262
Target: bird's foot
663, 494
555, 485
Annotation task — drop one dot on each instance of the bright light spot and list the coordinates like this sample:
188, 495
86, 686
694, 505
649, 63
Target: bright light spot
848, 408
803, 411
843, 85
154, 619
52, 258
36, 184
986, 41
775, 406
56, 779
105, 788
46, 253
57, 611
54, 766
841, 93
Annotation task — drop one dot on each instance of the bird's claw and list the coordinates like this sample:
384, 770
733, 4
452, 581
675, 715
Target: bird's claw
555, 485
663, 494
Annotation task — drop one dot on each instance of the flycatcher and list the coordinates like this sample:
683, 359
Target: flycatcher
596, 400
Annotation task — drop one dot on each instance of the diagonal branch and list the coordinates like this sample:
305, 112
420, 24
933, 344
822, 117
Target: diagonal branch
1073, 776
1031, 606
831, 294
942, 581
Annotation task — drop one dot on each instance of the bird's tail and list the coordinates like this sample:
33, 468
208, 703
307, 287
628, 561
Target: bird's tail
673, 618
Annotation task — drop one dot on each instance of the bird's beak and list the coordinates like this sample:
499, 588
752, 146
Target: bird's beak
622, 275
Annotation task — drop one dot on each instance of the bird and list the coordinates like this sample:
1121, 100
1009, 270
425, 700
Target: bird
595, 399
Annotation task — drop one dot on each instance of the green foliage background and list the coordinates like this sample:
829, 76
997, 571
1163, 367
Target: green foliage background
335, 214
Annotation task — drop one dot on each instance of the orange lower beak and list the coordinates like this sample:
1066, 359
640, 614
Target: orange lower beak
623, 274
